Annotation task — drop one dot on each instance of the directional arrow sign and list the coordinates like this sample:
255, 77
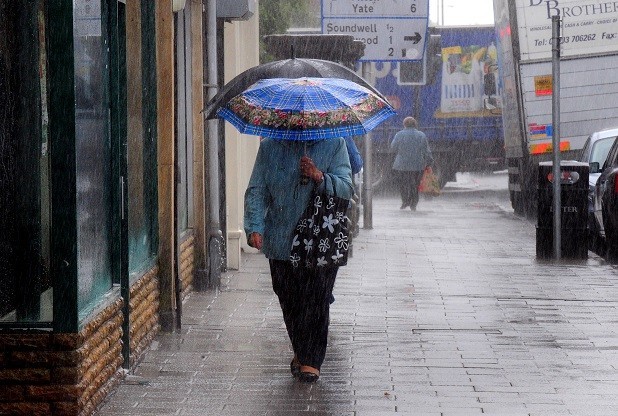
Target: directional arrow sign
416, 38
392, 30
384, 39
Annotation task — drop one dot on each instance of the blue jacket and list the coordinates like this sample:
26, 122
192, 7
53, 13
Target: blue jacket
356, 161
412, 150
275, 199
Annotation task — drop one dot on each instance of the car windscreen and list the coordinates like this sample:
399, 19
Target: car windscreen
600, 148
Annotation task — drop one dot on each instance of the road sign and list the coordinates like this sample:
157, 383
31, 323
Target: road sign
375, 8
392, 30
384, 39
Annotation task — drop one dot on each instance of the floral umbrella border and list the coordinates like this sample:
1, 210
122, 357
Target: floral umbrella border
355, 120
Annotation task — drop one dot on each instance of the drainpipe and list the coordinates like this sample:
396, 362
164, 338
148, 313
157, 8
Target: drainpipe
215, 234
221, 156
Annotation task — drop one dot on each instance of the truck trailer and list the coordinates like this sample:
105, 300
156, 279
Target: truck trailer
455, 96
588, 83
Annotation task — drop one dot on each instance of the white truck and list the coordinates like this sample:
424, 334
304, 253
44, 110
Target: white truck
588, 82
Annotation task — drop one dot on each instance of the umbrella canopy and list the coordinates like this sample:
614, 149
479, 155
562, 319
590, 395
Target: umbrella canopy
286, 68
306, 109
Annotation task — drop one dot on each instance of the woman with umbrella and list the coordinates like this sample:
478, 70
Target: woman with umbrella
303, 121
274, 201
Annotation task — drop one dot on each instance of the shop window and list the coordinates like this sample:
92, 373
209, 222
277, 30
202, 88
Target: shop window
141, 136
93, 154
26, 293
80, 250
184, 122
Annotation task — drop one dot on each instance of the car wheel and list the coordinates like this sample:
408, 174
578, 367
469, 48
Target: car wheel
596, 244
611, 242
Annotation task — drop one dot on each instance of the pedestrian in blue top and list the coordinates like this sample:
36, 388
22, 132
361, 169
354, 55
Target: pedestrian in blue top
274, 202
412, 156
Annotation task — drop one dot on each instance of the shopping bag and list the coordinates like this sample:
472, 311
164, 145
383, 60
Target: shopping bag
321, 236
430, 185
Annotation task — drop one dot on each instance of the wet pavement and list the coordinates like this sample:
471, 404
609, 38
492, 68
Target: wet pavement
442, 311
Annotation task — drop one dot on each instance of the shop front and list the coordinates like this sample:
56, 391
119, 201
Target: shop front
79, 295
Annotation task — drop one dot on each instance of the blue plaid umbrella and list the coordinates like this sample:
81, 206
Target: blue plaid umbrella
306, 109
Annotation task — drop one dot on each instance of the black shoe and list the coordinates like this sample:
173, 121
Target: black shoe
413, 208
295, 367
307, 377
403, 206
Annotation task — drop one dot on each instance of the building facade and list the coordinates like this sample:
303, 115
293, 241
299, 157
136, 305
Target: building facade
107, 186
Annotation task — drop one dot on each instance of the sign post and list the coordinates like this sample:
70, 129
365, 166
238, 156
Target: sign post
557, 206
392, 30
367, 195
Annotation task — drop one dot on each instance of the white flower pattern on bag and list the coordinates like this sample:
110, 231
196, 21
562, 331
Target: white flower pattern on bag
341, 216
295, 242
310, 222
337, 257
317, 204
330, 222
331, 203
308, 245
342, 241
323, 246
323, 229
301, 225
295, 259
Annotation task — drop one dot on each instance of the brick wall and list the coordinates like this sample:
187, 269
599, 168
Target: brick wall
144, 313
42, 373
61, 374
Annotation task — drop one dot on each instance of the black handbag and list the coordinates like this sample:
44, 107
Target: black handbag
321, 237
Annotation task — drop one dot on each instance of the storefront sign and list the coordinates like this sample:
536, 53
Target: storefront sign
588, 27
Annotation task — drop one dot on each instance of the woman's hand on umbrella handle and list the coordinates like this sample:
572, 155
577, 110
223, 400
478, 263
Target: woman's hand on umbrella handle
255, 240
308, 169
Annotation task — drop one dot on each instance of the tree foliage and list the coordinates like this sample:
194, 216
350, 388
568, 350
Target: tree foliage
277, 16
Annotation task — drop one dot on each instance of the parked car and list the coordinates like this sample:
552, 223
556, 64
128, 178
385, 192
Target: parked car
605, 200
595, 153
